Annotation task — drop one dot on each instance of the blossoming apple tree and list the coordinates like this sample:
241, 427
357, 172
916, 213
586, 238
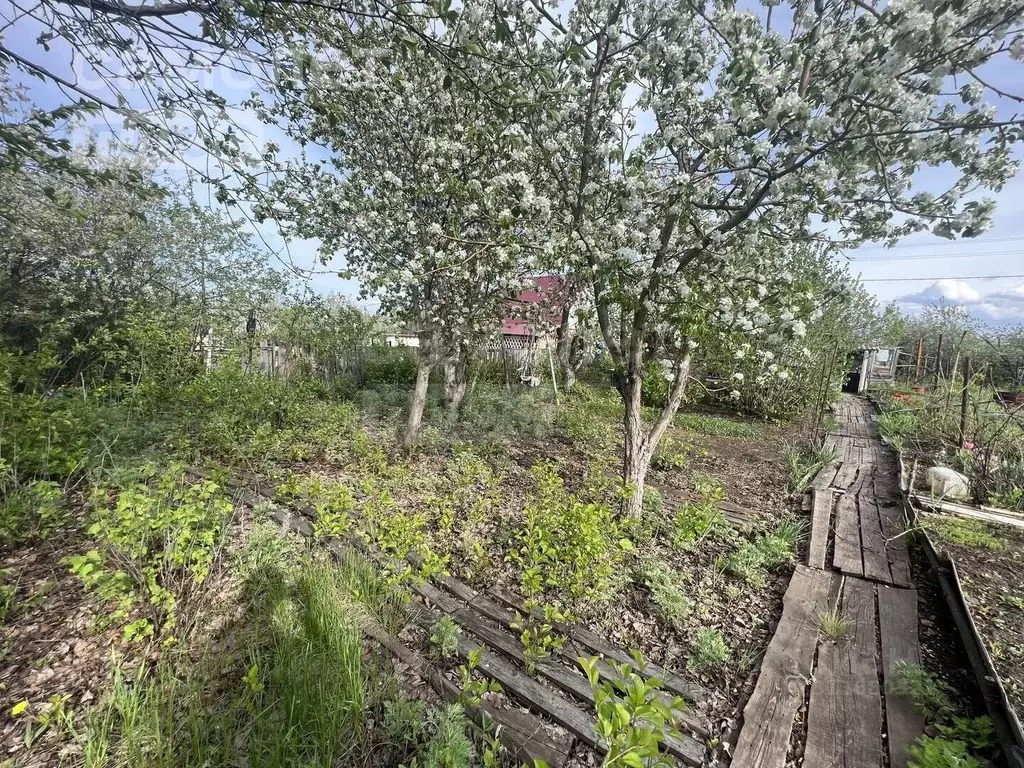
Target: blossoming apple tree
688, 143
424, 189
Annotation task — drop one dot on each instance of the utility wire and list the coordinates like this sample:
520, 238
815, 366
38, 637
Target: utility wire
869, 259
925, 280
942, 243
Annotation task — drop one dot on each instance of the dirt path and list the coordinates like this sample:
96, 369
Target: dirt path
829, 698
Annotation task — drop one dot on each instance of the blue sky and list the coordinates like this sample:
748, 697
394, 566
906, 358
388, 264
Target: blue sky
921, 270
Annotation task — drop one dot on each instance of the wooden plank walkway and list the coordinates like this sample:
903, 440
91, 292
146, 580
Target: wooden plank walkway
858, 565
779, 693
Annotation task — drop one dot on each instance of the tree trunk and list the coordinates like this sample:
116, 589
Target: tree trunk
424, 366
456, 381
641, 442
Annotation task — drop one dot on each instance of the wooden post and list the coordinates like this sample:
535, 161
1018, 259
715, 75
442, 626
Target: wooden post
554, 383
965, 401
920, 359
938, 360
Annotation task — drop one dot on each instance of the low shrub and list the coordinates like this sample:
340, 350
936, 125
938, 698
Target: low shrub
708, 650
666, 595
930, 694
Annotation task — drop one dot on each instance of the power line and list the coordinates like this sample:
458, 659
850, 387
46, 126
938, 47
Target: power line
926, 279
918, 257
941, 243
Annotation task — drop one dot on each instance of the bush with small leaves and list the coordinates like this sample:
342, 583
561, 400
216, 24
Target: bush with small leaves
668, 598
929, 693
708, 651
445, 637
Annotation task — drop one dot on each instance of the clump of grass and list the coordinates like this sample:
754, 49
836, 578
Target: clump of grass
445, 637
751, 560
896, 426
969, 533
804, 462
298, 689
833, 625
709, 650
930, 694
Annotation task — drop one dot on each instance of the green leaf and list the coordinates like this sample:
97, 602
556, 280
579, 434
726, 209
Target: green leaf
19, 708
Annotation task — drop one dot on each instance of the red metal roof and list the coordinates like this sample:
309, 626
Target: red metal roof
526, 321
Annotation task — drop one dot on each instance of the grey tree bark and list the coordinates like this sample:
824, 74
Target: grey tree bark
456, 381
424, 366
641, 442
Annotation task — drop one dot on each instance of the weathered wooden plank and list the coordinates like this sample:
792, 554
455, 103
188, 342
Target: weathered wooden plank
876, 558
826, 477
569, 680
691, 692
844, 717
846, 476
821, 523
846, 555
897, 621
893, 526
525, 736
546, 701
779, 693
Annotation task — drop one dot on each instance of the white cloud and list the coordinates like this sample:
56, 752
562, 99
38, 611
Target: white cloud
950, 291
1000, 305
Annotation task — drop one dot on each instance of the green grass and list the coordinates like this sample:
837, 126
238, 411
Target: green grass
969, 533
714, 426
294, 687
805, 462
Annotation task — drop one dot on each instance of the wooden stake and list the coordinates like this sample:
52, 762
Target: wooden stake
920, 359
938, 360
554, 383
965, 401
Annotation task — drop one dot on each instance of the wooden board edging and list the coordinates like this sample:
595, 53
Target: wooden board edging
1007, 725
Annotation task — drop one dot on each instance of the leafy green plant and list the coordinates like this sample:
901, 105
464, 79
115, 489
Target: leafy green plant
52, 715
929, 752
665, 592
566, 543
445, 637
539, 631
694, 521
833, 625
929, 694
978, 733
1012, 498
632, 718
671, 454
33, 510
746, 562
708, 650
448, 745
475, 688
163, 534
